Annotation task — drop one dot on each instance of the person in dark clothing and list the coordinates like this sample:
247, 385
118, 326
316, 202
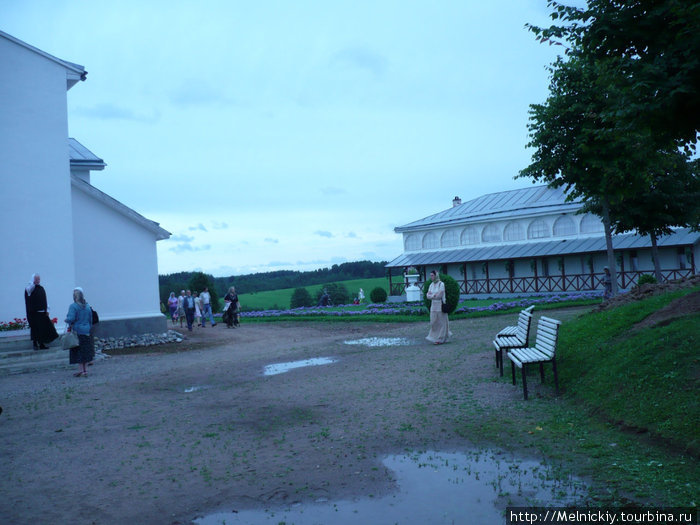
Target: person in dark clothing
232, 309
189, 305
41, 329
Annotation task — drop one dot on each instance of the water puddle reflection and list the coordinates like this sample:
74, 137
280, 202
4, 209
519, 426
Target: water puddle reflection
379, 341
194, 389
281, 368
435, 488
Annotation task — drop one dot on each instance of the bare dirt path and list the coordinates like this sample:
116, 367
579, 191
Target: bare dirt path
169, 435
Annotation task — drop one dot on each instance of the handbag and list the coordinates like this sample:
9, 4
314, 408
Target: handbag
69, 340
445, 308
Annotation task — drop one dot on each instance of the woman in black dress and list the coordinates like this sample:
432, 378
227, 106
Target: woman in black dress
232, 309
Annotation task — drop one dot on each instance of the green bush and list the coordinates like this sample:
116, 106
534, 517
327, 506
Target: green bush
198, 282
378, 295
451, 291
339, 294
646, 278
301, 297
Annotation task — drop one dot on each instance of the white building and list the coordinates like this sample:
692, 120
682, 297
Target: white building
55, 222
531, 241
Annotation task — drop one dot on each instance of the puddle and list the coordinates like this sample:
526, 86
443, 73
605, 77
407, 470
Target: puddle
435, 488
281, 368
379, 341
194, 389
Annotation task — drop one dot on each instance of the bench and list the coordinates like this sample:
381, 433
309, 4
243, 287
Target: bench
543, 352
517, 338
510, 330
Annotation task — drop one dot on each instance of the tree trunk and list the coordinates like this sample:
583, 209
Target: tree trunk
655, 258
612, 266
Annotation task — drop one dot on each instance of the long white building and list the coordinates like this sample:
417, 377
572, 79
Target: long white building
55, 222
530, 241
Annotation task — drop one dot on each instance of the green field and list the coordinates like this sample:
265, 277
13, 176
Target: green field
280, 299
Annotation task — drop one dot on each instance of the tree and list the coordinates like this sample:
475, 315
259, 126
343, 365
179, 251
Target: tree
651, 51
301, 298
451, 292
378, 295
198, 282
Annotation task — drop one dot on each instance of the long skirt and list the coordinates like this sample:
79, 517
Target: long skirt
439, 327
83, 353
41, 329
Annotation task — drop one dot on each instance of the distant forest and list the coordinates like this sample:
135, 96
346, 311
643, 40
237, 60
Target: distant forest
259, 282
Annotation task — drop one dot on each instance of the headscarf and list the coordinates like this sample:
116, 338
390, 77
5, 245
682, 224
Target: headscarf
80, 299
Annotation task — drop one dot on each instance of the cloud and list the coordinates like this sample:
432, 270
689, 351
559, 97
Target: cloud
351, 235
181, 238
196, 92
323, 233
360, 58
107, 111
200, 226
216, 225
273, 241
187, 247
331, 190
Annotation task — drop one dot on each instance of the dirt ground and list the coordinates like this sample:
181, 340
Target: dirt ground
183, 430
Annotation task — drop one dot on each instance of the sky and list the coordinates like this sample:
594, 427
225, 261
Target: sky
271, 135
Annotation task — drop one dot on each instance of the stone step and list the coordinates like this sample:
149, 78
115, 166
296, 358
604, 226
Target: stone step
18, 355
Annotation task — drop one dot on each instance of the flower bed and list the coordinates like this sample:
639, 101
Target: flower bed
18, 324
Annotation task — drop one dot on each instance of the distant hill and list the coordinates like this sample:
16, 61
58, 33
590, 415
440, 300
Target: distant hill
259, 282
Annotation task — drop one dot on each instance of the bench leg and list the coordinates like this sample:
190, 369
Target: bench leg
512, 369
501, 358
497, 357
554, 371
525, 381
542, 373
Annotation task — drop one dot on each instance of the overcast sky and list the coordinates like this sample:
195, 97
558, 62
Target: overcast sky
294, 134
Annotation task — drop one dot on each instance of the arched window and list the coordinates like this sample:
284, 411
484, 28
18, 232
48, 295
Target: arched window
469, 236
564, 226
513, 232
449, 239
591, 224
538, 230
412, 242
430, 241
491, 233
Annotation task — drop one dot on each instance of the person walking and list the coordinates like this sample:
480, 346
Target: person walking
172, 306
205, 296
41, 329
79, 320
439, 323
189, 306
197, 309
181, 307
231, 309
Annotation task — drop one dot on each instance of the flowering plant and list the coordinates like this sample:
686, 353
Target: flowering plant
15, 324
411, 271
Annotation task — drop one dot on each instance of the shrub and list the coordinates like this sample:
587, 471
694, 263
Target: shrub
301, 297
646, 278
378, 295
451, 291
339, 294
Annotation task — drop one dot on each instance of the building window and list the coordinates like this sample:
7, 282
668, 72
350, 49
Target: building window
430, 241
469, 236
545, 268
538, 230
473, 266
412, 243
513, 232
591, 224
634, 261
682, 259
491, 233
449, 239
564, 226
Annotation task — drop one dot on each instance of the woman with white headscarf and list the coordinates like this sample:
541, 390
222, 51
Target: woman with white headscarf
79, 320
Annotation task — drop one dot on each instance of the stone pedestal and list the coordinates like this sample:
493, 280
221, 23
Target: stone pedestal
412, 290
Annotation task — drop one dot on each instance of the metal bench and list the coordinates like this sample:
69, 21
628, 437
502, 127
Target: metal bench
517, 338
543, 352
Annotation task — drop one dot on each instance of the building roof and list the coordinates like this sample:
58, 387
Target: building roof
498, 206
627, 241
113, 203
82, 157
74, 72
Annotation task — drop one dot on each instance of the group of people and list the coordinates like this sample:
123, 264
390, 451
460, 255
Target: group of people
79, 320
194, 308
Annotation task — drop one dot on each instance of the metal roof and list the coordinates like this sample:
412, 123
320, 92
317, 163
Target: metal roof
83, 157
501, 205
627, 241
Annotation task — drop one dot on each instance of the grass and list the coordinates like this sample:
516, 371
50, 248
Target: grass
628, 416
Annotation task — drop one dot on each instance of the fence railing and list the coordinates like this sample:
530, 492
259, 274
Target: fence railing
552, 283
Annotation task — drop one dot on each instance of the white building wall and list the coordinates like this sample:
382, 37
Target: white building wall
34, 173
116, 261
